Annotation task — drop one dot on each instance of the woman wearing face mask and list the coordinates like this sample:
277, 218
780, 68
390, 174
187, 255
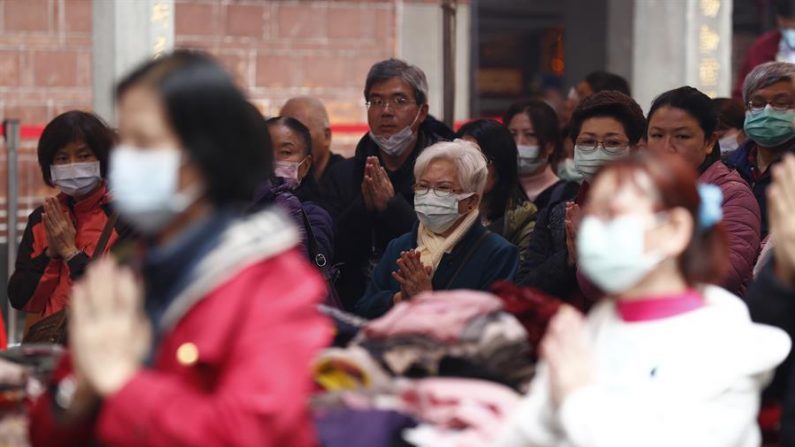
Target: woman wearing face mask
292, 162
664, 360
731, 116
535, 129
448, 248
605, 127
504, 209
213, 347
683, 122
62, 235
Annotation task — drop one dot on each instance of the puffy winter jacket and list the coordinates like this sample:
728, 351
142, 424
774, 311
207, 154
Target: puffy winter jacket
742, 220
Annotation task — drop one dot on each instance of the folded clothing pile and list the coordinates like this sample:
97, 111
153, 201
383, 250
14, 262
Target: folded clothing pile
451, 362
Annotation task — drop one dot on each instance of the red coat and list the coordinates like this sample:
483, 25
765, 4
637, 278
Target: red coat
255, 336
742, 221
763, 50
40, 284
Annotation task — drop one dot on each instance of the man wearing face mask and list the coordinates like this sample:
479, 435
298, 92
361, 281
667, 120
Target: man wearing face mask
776, 45
371, 195
769, 98
73, 227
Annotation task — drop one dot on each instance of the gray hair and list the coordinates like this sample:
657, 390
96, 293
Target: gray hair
396, 68
766, 75
469, 161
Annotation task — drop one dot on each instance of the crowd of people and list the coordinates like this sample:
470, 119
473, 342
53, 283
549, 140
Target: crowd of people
582, 275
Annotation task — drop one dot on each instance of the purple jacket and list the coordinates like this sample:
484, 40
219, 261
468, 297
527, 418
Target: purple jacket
282, 194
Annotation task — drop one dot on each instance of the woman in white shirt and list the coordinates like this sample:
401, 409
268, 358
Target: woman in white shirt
665, 360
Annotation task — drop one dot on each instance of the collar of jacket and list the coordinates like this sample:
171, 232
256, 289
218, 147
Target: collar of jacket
96, 199
243, 242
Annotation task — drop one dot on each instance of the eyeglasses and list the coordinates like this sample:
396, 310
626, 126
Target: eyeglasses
397, 102
612, 146
439, 191
757, 105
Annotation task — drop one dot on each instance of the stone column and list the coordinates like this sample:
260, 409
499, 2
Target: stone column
126, 33
419, 26
682, 42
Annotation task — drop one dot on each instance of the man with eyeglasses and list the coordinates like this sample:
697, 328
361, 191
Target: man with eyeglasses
769, 96
370, 196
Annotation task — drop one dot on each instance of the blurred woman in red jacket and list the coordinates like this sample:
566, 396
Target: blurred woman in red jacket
214, 347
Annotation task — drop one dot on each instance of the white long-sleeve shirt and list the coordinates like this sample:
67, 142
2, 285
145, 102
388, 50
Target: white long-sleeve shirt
689, 380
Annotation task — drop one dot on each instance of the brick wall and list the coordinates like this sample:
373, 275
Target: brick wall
275, 49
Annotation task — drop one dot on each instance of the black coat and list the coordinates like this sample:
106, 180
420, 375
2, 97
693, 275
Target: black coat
772, 302
361, 235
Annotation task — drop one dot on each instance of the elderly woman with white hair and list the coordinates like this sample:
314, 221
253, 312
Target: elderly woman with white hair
448, 248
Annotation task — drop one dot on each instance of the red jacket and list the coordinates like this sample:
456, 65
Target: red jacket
255, 333
742, 220
41, 284
763, 50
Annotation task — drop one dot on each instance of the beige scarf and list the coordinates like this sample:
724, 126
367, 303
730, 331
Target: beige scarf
433, 246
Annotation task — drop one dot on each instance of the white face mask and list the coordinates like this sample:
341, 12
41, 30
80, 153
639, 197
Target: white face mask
728, 143
145, 187
588, 162
613, 254
396, 145
530, 160
567, 171
288, 170
438, 210
76, 179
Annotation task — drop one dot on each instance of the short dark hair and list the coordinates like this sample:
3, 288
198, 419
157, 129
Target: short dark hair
692, 101
396, 68
697, 105
602, 80
213, 121
295, 126
784, 8
498, 146
545, 122
612, 104
731, 113
72, 127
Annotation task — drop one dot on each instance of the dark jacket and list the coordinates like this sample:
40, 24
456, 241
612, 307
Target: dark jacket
759, 181
310, 190
741, 219
772, 302
561, 191
41, 284
321, 226
493, 259
763, 50
361, 235
546, 265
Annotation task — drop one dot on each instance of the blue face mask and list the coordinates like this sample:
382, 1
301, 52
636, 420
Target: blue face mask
788, 36
769, 128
